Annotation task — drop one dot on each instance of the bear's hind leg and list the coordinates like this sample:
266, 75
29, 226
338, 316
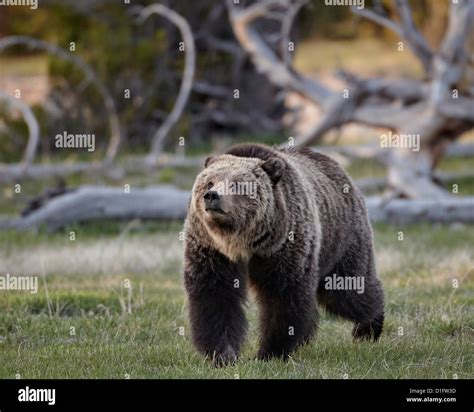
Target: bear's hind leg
352, 291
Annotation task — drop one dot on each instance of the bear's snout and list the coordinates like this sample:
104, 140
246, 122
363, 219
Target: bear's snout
212, 200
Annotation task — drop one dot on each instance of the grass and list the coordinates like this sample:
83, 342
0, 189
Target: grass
90, 325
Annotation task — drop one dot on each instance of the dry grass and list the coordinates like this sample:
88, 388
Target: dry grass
101, 256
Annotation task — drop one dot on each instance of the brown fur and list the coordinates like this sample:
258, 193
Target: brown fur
307, 221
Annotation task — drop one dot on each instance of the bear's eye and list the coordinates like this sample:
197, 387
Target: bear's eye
209, 185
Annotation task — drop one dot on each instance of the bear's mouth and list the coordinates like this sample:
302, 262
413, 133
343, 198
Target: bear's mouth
214, 210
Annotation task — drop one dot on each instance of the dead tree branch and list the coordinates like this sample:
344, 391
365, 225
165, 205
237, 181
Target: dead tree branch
265, 60
378, 19
31, 122
411, 34
406, 31
188, 74
286, 26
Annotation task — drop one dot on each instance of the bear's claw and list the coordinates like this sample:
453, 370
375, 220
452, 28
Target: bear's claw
368, 330
227, 357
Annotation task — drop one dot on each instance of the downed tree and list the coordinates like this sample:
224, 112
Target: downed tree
90, 203
379, 183
436, 110
371, 151
403, 211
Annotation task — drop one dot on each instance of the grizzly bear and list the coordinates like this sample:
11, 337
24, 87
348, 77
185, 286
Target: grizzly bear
289, 224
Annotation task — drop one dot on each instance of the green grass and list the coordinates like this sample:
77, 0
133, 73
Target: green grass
137, 334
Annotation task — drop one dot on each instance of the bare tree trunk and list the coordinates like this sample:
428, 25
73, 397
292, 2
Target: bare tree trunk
188, 75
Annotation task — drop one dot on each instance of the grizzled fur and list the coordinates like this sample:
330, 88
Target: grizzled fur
307, 221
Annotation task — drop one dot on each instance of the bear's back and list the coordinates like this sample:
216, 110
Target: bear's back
304, 158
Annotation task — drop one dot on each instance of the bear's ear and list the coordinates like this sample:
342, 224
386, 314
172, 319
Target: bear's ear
274, 167
209, 161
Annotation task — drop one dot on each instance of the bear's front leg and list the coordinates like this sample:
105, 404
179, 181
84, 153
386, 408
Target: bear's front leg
216, 293
286, 295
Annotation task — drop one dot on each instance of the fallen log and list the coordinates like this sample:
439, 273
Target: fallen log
379, 183
92, 203
89, 203
404, 211
371, 151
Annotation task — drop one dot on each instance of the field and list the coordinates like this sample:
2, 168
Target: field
110, 303
85, 323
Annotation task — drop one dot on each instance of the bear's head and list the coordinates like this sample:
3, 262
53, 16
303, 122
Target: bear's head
232, 194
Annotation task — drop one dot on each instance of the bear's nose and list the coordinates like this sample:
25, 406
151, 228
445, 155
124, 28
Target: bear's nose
212, 201
211, 195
